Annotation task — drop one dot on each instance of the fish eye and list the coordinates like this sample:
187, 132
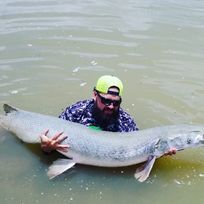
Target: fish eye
189, 141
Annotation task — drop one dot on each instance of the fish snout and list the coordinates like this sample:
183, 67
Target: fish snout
202, 139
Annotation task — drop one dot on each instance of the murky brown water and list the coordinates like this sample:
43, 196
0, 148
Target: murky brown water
52, 52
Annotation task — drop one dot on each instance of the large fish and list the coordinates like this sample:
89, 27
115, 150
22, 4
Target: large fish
101, 148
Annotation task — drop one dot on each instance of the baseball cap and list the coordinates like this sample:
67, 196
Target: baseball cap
107, 81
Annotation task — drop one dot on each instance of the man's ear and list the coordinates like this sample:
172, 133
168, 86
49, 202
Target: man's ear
94, 95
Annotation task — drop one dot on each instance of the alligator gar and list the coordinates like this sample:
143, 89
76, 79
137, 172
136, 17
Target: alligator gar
101, 148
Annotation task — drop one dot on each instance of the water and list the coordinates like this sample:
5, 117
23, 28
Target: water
52, 52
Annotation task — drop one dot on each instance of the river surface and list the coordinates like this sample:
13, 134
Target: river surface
51, 54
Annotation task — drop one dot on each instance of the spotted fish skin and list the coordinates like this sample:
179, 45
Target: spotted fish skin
103, 148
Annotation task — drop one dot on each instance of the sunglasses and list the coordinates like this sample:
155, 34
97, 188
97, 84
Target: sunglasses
108, 102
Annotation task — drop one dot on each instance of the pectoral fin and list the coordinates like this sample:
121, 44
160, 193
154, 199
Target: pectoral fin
142, 173
59, 166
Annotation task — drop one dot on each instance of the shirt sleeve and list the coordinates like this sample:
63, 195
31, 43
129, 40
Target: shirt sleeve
132, 126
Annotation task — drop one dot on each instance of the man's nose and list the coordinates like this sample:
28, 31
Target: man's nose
111, 106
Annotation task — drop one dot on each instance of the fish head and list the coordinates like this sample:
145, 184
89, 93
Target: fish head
194, 138
179, 141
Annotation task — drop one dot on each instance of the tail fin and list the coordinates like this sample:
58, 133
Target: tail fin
8, 108
2, 119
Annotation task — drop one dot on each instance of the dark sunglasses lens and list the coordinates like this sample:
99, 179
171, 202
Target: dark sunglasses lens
116, 103
108, 102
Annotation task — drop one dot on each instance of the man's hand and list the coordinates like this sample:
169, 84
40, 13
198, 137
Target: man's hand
171, 152
53, 143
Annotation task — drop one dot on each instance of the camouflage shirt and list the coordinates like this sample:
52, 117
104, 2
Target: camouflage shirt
82, 112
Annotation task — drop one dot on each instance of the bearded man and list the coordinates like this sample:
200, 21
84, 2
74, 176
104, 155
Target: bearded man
102, 112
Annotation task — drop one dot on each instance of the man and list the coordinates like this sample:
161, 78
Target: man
102, 112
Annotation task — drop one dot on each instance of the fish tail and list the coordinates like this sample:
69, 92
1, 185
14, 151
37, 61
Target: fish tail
2, 121
8, 108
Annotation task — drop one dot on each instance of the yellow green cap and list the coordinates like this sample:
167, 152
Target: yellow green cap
107, 81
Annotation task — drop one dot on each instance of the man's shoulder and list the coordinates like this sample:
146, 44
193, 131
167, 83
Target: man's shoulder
124, 115
80, 104
126, 121
75, 111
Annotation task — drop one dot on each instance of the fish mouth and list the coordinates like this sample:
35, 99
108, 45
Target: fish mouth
202, 139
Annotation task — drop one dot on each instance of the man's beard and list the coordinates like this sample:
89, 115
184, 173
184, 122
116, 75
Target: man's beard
103, 119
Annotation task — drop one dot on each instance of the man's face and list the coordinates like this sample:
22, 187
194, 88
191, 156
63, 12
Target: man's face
108, 104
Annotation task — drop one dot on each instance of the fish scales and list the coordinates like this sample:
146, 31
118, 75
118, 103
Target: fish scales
102, 148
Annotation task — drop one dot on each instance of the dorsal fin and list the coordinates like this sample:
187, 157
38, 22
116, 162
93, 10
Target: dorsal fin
8, 108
